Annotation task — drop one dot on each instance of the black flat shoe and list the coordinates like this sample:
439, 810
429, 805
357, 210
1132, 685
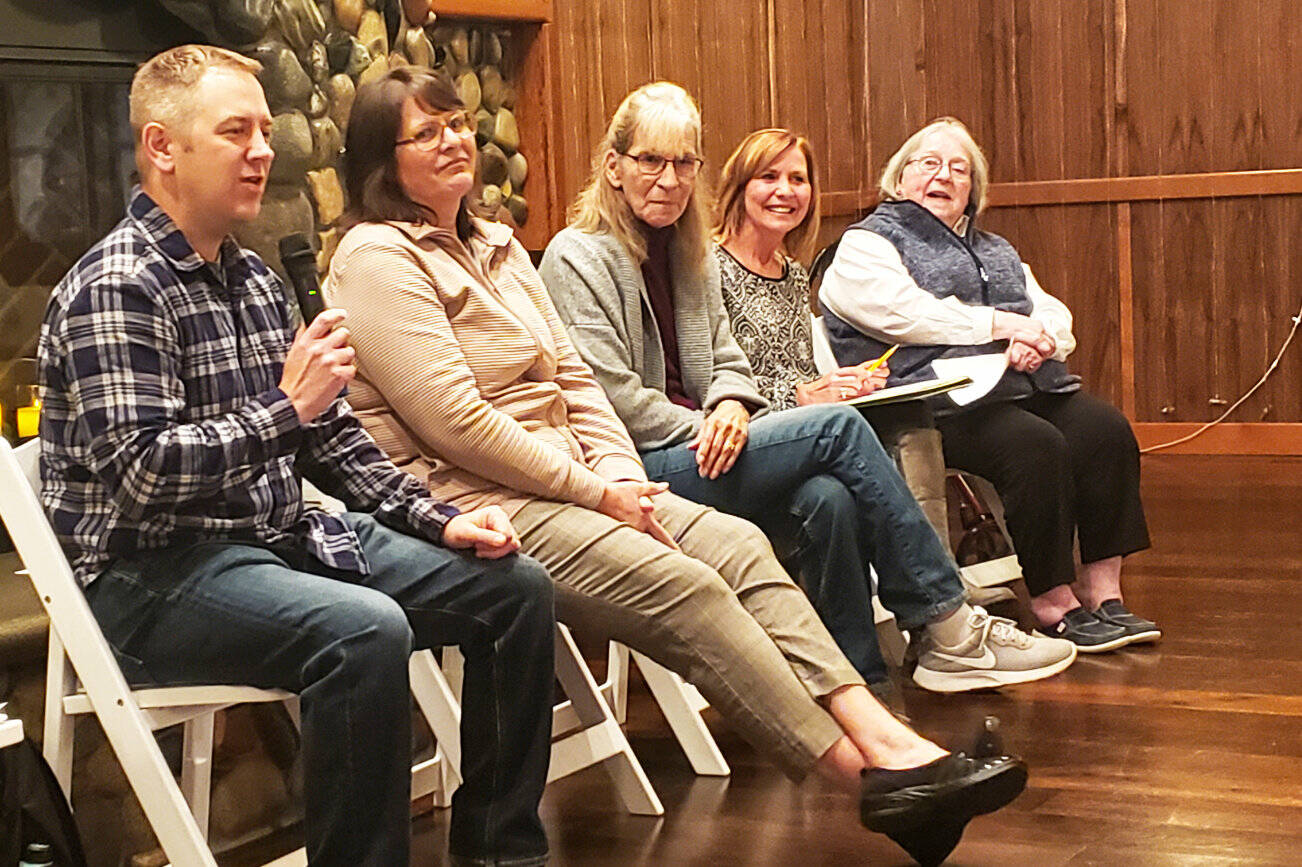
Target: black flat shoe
936, 800
930, 845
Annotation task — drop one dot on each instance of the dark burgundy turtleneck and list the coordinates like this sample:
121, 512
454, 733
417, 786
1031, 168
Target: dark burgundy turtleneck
660, 291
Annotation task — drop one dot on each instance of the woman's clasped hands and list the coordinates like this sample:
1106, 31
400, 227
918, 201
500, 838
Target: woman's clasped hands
722, 436
1029, 342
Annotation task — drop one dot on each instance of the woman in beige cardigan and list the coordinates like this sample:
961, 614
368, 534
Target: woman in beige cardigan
467, 378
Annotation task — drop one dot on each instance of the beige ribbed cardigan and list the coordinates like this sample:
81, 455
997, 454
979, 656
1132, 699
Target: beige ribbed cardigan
466, 377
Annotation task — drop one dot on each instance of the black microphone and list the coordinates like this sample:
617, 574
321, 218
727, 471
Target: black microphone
300, 264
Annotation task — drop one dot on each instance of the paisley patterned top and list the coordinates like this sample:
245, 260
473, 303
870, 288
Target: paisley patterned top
770, 319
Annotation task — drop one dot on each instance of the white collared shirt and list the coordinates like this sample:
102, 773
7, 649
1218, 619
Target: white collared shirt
868, 286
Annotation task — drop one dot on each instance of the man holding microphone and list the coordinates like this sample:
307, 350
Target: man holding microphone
180, 411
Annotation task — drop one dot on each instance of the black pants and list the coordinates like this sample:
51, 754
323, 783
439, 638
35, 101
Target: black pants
1062, 463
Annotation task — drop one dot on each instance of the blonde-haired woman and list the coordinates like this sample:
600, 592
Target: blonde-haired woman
919, 272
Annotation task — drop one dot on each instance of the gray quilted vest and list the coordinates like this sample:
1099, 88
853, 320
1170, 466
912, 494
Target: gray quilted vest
980, 268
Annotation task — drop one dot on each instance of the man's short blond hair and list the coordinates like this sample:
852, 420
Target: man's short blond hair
163, 87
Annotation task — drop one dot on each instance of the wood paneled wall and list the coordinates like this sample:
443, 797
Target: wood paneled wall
1183, 288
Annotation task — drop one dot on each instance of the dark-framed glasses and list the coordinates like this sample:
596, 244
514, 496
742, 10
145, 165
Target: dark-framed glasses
651, 165
427, 138
930, 164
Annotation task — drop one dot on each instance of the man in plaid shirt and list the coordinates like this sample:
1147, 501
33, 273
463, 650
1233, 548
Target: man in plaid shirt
179, 412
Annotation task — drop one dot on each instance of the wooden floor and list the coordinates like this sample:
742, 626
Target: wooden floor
1189, 752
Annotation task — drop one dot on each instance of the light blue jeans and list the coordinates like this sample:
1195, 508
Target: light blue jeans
817, 478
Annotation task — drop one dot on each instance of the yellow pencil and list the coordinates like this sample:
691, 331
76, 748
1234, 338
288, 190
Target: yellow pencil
885, 355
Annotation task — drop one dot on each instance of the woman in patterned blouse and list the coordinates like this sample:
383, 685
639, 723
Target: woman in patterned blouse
768, 211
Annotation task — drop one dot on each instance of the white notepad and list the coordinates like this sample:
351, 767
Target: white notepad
910, 391
983, 370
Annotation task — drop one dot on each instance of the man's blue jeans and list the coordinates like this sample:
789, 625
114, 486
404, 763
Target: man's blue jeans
818, 477
230, 612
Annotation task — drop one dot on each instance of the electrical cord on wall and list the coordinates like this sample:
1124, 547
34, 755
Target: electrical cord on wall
1297, 320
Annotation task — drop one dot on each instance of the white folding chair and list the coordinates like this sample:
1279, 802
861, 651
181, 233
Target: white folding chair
83, 677
679, 701
586, 731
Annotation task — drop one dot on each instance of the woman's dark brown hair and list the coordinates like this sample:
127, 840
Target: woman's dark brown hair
370, 163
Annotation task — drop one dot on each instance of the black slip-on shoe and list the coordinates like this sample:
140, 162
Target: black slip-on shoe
1087, 632
948, 791
1137, 628
930, 844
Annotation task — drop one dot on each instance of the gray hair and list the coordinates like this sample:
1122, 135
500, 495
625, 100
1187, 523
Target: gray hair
980, 165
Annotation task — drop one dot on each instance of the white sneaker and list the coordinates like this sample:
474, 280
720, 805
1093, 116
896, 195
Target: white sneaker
996, 653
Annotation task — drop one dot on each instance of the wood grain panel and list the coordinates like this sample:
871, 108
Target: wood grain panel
628, 61
1272, 182
1225, 438
953, 64
1147, 154
1143, 88
1040, 90
1001, 87
799, 101
1154, 367
1088, 288
1281, 103
1279, 296
509, 10
535, 115
1087, 89
1185, 110
896, 77
839, 120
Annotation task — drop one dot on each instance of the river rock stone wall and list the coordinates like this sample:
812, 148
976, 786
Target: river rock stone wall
315, 53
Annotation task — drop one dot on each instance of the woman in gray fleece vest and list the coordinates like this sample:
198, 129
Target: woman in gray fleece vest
917, 272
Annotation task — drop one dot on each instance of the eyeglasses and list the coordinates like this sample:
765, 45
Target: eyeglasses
651, 165
931, 164
427, 138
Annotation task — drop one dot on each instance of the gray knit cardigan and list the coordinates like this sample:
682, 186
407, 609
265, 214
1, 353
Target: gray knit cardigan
602, 299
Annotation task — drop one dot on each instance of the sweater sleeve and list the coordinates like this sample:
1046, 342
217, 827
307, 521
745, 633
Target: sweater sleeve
1053, 314
581, 282
407, 349
869, 287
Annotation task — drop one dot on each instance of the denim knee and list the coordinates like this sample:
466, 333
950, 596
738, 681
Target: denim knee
373, 633
530, 582
846, 424
824, 506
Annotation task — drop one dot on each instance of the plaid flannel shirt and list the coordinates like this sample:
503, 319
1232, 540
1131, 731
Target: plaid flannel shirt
162, 421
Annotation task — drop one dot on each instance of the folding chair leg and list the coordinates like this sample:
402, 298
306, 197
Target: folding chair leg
682, 705
440, 775
601, 731
615, 688
168, 814
57, 746
196, 767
